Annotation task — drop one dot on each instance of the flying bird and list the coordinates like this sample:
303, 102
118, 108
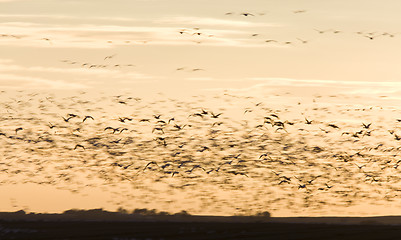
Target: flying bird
18, 129
87, 117
110, 57
299, 11
79, 145
152, 162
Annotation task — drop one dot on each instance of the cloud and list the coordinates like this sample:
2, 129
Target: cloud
202, 21
95, 72
268, 85
16, 76
68, 35
14, 81
3, 61
35, 17
322, 82
201, 79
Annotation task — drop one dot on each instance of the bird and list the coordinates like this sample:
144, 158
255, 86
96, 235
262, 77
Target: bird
47, 40
195, 167
238, 173
159, 129
182, 31
204, 148
79, 145
332, 125
303, 41
196, 115
179, 127
170, 120
66, 119
18, 129
127, 166
366, 126
87, 117
324, 130
215, 115
110, 57
371, 36
113, 129
123, 129
360, 167
152, 162
72, 115
302, 186
322, 31
124, 119
299, 11
204, 112
264, 155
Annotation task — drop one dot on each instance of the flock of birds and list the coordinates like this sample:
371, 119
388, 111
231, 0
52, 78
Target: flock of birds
105, 65
197, 32
220, 154
243, 156
198, 36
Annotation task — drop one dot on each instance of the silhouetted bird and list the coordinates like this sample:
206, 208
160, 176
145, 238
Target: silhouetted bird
87, 117
79, 145
18, 129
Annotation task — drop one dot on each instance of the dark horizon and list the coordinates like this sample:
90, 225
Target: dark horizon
99, 224
145, 215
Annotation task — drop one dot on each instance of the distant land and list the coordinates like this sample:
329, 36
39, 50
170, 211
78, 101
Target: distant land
146, 215
149, 224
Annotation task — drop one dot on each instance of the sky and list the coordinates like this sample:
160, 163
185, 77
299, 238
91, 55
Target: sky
40, 40
314, 59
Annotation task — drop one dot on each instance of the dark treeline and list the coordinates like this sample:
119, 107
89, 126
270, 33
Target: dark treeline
121, 214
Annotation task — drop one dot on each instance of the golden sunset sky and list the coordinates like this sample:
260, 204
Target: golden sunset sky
323, 60
36, 36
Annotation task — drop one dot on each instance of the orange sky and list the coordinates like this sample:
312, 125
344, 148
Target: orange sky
284, 52
143, 38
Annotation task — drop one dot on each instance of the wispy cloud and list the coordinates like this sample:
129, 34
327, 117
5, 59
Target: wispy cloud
34, 17
5, 66
201, 79
100, 35
15, 81
16, 76
322, 82
204, 21
302, 86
